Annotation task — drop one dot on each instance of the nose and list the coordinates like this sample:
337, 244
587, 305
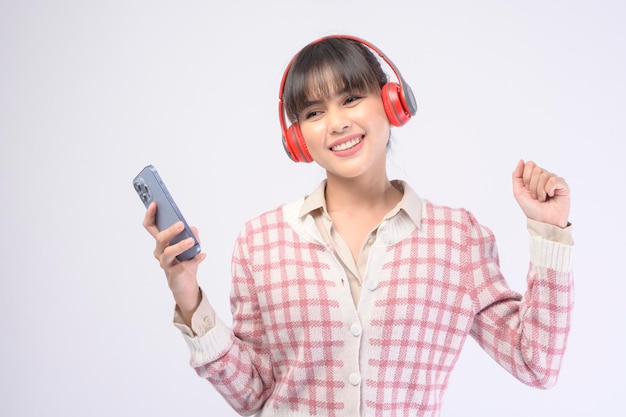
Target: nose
338, 120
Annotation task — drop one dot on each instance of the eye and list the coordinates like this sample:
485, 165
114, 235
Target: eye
311, 114
353, 99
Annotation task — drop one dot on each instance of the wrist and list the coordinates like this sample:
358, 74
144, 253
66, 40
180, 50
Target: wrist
188, 303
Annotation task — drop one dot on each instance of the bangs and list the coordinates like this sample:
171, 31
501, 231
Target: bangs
327, 68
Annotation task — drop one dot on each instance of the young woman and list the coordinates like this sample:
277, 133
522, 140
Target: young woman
357, 298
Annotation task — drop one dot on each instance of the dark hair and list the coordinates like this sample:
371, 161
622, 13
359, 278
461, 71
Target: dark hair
328, 66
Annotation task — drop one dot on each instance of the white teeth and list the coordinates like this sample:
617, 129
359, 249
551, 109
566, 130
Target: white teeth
346, 145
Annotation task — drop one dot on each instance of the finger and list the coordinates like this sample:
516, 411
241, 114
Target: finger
542, 192
529, 168
533, 185
556, 185
164, 237
170, 253
518, 173
195, 232
149, 220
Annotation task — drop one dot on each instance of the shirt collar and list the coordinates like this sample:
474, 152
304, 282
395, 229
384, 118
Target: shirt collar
410, 204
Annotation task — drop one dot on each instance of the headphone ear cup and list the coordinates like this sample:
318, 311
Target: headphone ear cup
395, 107
294, 144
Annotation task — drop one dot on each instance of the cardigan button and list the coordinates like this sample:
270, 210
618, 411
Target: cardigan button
371, 284
354, 378
355, 329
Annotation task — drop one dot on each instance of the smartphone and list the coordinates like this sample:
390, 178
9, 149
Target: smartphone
150, 187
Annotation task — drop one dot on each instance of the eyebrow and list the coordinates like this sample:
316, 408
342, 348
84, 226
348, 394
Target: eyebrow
309, 103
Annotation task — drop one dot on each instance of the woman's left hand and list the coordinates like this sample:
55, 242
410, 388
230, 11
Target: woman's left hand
543, 196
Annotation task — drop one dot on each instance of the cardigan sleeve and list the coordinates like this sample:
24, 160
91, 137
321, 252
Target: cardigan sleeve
526, 334
237, 361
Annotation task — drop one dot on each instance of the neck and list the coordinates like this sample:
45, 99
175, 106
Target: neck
360, 194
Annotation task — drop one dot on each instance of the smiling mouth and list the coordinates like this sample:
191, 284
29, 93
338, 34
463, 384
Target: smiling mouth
347, 145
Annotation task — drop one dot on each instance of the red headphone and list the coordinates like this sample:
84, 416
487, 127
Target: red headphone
398, 101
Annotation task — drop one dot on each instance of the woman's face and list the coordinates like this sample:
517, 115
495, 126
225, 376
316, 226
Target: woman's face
347, 133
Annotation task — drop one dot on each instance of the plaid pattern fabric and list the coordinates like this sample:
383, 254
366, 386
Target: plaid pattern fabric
299, 347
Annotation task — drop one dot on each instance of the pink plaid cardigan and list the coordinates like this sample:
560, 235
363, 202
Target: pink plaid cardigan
299, 347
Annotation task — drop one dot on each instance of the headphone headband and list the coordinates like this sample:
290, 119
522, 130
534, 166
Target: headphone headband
398, 100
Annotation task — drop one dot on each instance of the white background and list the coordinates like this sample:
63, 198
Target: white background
91, 92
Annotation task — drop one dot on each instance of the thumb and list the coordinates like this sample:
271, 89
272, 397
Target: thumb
518, 173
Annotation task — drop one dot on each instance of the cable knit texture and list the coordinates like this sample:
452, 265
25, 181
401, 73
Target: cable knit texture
299, 347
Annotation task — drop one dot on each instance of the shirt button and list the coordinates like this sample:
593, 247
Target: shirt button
208, 321
371, 284
355, 379
355, 329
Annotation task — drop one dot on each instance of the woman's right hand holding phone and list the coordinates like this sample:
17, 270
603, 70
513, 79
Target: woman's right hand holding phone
181, 276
